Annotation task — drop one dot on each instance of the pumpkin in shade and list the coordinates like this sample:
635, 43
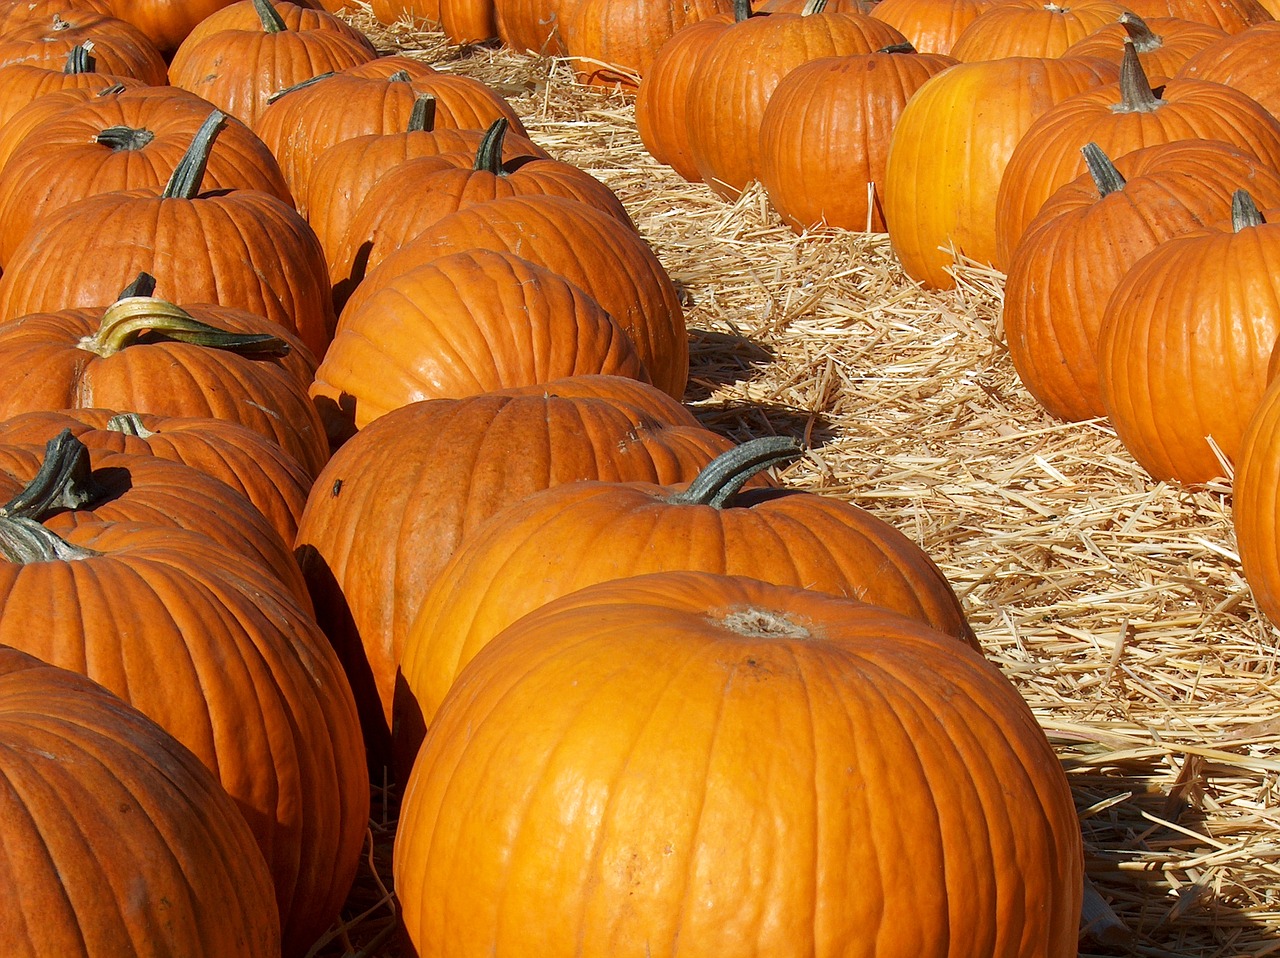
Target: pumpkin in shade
1119, 118
414, 11
1255, 501
1184, 346
1032, 28
468, 21
587, 532
931, 26
241, 55
225, 660
117, 46
698, 765
114, 838
241, 248
463, 324
1163, 44
531, 26
395, 501
939, 190
1088, 235
824, 137
1243, 62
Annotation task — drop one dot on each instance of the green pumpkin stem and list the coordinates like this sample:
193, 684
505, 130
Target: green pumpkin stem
423, 117
119, 138
1140, 35
1136, 94
272, 22
25, 541
904, 47
144, 285
129, 424
1244, 211
80, 60
1105, 175
726, 474
741, 10
189, 173
64, 481
813, 6
489, 153
302, 84
126, 321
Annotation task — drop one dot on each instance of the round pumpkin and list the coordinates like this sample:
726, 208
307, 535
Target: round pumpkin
931, 26
1163, 44
1242, 61
117, 46
1032, 28
167, 22
20, 83
1255, 502
701, 765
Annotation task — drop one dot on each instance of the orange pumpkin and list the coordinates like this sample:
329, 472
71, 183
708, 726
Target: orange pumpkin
931, 26
1255, 502
1243, 62
1163, 44
118, 47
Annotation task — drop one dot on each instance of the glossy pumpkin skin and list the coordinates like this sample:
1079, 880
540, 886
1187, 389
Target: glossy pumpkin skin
712, 766
206, 641
1032, 28
396, 500
931, 26
1120, 118
15, 13
1174, 41
1075, 252
391, 11
121, 841
939, 191
1243, 62
591, 249
468, 21
1234, 16
1255, 502
117, 46
1185, 342
464, 324
825, 136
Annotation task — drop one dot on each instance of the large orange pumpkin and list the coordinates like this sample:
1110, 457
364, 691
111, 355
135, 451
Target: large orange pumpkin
1032, 28
1255, 501
712, 767
1243, 62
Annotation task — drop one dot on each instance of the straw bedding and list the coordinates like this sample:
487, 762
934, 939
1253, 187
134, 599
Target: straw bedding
1115, 604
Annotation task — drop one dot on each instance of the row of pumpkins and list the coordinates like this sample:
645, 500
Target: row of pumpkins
342, 429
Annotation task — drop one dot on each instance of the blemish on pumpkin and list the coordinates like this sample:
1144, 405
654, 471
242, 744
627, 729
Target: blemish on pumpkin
763, 624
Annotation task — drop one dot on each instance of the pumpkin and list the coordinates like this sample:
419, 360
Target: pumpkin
241, 55
1233, 16
591, 249
1255, 502
824, 137
950, 148
614, 42
1088, 235
707, 765
468, 21
1031, 28
20, 83
1184, 345
120, 841
931, 26
224, 659
414, 11
1242, 62
530, 26
467, 323
117, 46
1119, 118
15, 13
588, 532
398, 497
167, 22
242, 248
1163, 44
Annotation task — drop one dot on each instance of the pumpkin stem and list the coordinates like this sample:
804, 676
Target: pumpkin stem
741, 10
189, 173
1136, 94
119, 138
126, 321
813, 6
25, 541
1244, 211
299, 85
1105, 175
114, 90
489, 153
144, 285
726, 474
903, 47
423, 117
64, 481
1144, 41
272, 22
80, 60
400, 76
129, 424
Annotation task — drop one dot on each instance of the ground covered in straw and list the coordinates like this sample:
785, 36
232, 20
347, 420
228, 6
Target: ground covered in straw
1115, 604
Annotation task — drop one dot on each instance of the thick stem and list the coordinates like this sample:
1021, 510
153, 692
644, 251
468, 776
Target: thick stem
127, 321
144, 285
26, 541
130, 424
189, 173
272, 22
1244, 211
741, 10
118, 138
812, 7
903, 47
423, 117
80, 60
64, 481
1105, 175
721, 479
1144, 41
1136, 94
489, 153
400, 76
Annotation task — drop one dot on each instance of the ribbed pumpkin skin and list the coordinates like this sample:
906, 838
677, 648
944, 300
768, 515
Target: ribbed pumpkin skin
931, 26
1048, 155
247, 462
114, 839
464, 324
530, 26
1076, 251
591, 249
1255, 502
588, 532
20, 83
1179, 41
242, 249
390, 11
1244, 62
43, 368
940, 190
395, 501
167, 22
733, 80
701, 766
15, 13
225, 661
117, 46
825, 135
232, 61
468, 21
615, 41
1184, 347
1032, 28
1233, 16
